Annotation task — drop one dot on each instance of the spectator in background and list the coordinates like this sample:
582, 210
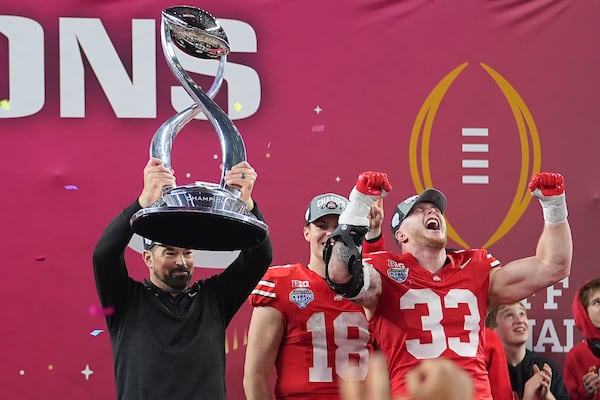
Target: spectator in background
583, 360
532, 376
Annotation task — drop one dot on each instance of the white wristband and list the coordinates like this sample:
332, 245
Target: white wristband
357, 210
555, 209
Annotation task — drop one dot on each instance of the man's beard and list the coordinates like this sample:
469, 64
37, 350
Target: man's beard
177, 282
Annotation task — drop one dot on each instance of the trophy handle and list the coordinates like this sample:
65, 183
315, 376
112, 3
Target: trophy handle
162, 141
197, 33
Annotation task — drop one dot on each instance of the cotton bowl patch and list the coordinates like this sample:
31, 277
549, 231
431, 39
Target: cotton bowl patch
301, 297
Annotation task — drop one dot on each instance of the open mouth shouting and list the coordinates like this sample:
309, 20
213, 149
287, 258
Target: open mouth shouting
433, 223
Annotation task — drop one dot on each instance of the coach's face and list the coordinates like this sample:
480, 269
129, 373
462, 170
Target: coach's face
171, 268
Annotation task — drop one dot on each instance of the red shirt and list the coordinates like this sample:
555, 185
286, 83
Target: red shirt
424, 315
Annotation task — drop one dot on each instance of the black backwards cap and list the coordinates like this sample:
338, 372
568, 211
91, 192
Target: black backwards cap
325, 204
403, 209
149, 243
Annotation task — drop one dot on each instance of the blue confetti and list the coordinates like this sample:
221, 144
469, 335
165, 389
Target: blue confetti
96, 332
71, 187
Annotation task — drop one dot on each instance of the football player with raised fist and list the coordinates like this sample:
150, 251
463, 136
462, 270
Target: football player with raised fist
429, 303
299, 326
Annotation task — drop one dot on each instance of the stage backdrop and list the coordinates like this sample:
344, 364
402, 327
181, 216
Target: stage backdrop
472, 97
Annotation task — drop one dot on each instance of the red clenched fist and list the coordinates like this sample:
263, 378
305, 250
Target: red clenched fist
373, 183
548, 184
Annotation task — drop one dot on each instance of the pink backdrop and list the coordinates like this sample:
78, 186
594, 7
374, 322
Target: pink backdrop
320, 91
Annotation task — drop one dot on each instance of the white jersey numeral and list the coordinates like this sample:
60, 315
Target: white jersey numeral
345, 346
440, 340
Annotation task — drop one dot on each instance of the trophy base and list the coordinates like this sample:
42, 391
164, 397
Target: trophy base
201, 217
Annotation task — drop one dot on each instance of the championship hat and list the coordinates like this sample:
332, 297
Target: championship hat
404, 208
325, 204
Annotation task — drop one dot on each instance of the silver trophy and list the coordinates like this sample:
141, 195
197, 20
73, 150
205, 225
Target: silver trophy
203, 216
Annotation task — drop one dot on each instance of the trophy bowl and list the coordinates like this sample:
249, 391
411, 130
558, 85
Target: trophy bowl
200, 216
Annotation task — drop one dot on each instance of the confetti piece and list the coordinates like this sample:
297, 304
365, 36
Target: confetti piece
21, 372
237, 106
338, 179
318, 109
50, 367
318, 128
96, 332
215, 156
5, 104
99, 311
87, 372
71, 187
40, 258
188, 175
268, 155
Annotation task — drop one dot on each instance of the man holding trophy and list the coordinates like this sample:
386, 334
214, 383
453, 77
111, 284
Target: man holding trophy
167, 336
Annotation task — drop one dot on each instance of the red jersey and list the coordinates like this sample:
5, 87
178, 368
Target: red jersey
425, 315
324, 333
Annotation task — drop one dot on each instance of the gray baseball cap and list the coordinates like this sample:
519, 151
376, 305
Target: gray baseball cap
404, 208
325, 204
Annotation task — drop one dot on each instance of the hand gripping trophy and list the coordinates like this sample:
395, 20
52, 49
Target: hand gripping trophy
202, 216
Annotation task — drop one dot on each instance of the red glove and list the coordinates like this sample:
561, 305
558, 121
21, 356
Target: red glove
549, 188
370, 186
373, 183
545, 184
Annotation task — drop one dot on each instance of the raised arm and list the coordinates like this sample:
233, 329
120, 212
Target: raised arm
108, 259
344, 270
552, 260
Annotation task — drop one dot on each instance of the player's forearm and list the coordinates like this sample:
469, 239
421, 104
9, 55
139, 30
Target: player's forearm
256, 388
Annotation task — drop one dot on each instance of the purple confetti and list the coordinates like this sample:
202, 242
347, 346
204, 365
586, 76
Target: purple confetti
71, 187
318, 128
98, 311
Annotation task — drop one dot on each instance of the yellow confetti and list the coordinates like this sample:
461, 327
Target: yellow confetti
50, 367
237, 106
5, 104
268, 155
